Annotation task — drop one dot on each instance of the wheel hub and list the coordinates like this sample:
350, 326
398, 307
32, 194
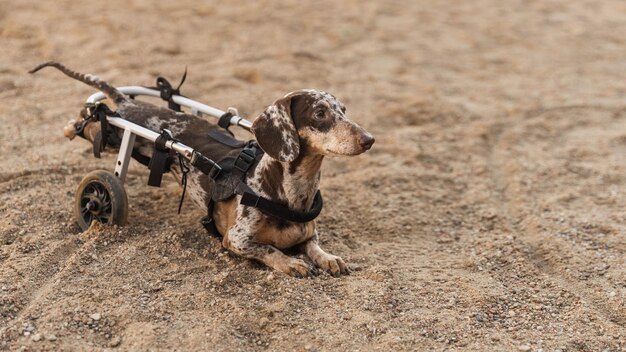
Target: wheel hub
95, 203
94, 206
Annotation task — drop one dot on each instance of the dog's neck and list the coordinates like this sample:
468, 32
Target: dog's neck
302, 180
294, 183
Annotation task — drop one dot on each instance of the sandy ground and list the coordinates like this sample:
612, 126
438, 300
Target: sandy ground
490, 214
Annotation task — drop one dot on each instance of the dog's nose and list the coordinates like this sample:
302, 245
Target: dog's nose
366, 141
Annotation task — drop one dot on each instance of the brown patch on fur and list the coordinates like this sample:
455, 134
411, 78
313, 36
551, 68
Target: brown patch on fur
287, 236
91, 130
303, 107
307, 162
225, 215
272, 179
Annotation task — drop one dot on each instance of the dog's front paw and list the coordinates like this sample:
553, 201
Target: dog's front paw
296, 267
332, 264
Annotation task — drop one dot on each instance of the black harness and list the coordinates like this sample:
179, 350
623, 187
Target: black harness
232, 181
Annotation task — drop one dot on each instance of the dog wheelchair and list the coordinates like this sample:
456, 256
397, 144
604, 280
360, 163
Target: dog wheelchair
101, 196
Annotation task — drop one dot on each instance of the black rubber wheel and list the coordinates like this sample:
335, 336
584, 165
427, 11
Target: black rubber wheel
101, 197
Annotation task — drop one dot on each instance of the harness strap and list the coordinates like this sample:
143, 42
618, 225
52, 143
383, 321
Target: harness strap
242, 164
100, 113
268, 207
226, 139
142, 159
208, 222
167, 91
206, 165
97, 145
159, 160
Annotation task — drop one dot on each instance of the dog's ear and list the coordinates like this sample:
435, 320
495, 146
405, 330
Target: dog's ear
276, 132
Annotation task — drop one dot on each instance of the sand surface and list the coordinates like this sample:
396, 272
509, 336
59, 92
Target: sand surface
489, 215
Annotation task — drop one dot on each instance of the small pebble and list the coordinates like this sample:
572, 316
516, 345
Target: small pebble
523, 348
115, 341
51, 337
36, 337
95, 316
263, 322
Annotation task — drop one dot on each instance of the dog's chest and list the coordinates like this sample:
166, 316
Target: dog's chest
283, 234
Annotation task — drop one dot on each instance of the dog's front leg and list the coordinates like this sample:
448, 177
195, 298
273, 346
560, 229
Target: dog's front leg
240, 240
332, 264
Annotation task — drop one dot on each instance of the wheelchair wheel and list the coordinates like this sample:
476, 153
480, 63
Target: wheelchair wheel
100, 197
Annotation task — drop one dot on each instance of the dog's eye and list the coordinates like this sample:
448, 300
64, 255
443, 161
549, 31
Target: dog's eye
320, 114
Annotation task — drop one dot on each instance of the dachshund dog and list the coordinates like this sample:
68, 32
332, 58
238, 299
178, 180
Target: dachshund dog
295, 133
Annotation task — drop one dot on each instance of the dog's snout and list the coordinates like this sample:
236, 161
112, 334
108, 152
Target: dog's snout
366, 141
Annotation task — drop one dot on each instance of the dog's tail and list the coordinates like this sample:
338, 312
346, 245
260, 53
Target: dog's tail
111, 92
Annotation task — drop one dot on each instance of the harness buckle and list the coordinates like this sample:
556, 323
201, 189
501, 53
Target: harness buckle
244, 160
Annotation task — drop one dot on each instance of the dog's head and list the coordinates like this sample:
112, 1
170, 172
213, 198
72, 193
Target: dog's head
309, 120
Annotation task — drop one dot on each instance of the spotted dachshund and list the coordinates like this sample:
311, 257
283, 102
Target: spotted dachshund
296, 132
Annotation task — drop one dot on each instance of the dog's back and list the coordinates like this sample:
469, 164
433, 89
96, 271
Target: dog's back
188, 129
